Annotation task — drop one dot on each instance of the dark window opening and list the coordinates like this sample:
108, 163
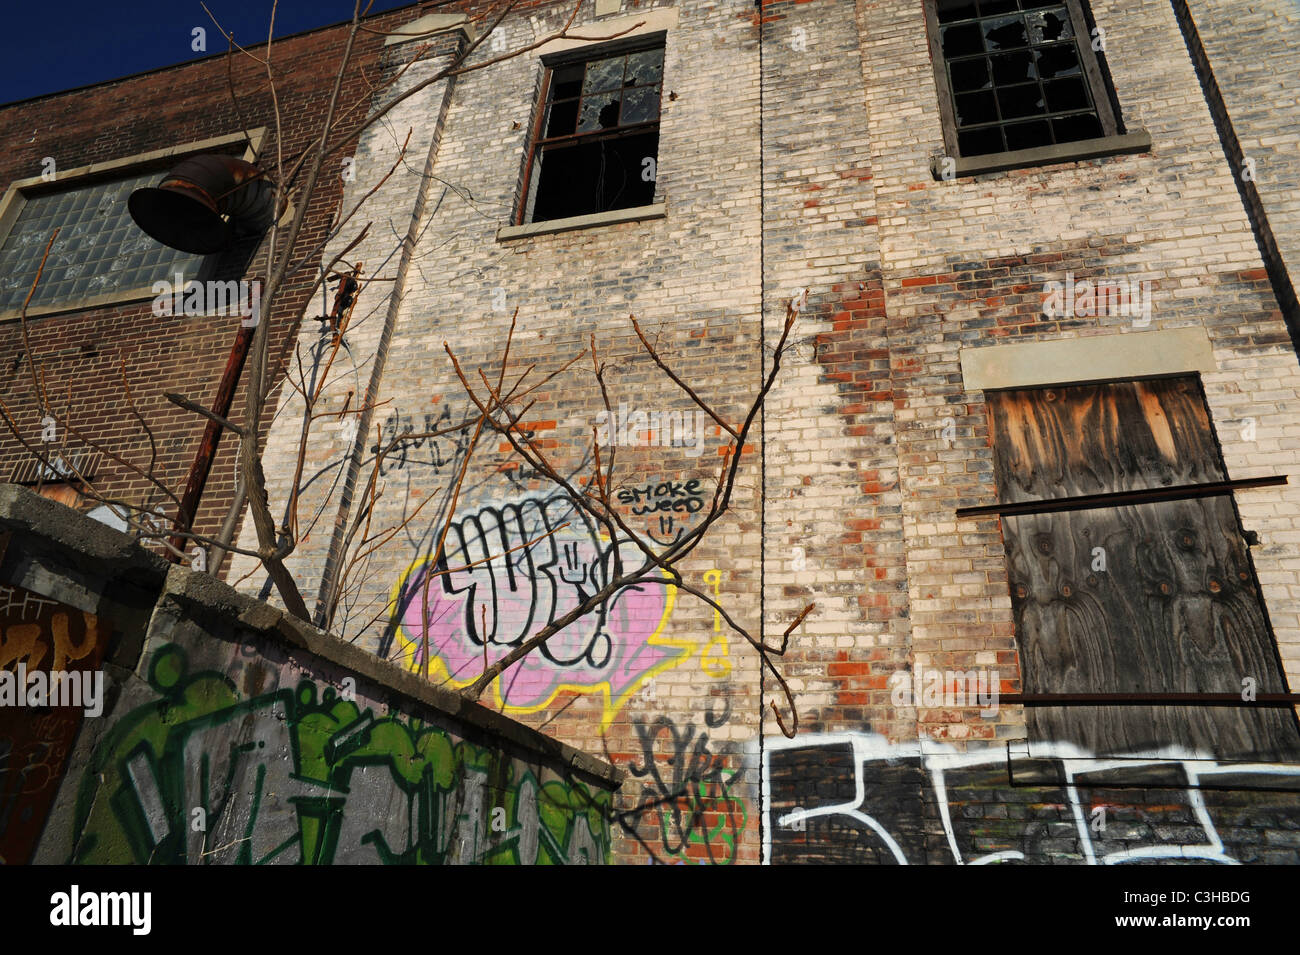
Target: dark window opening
596, 142
1018, 74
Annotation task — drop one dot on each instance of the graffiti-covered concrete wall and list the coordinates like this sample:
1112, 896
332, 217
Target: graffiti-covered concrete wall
211, 730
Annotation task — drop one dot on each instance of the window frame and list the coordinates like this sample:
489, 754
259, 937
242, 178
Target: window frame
1113, 141
18, 192
655, 39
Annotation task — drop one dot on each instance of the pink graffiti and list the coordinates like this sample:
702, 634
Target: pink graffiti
512, 591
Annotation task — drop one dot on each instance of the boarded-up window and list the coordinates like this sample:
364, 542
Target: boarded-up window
1150, 596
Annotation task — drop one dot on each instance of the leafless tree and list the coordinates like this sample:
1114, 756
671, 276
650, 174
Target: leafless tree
500, 400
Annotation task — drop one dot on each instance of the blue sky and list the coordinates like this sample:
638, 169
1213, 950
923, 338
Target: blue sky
62, 44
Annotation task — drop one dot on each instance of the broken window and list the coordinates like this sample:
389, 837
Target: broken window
596, 139
1129, 573
1018, 74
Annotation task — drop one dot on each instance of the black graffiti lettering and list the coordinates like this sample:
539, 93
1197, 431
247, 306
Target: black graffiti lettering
402, 452
692, 787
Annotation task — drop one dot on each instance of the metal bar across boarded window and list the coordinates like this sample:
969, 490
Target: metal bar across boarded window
1157, 597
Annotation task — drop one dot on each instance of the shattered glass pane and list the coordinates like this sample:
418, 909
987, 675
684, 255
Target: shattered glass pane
1004, 33
1071, 129
640, 104
1017, 101
644, 67
562, 118
974, 108
1048, 25
604, 75
961, 40
980, 142
1013, 68
599, 111
970, 75
950, 10
1056, 61
1028, 135
566, 81
1063, 95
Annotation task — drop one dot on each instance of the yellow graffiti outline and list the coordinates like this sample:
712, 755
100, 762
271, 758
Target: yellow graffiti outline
718, 667
438, 671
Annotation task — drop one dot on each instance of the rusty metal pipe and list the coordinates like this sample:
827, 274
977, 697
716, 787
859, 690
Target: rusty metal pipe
202, 466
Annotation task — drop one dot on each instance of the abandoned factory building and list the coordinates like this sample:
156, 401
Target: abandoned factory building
1024, 270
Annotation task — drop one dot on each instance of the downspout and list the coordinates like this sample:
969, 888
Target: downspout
334, 556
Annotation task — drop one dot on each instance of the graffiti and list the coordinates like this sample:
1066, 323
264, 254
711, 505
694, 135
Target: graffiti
302, 775
681, 497
668, 502
691, 794
436, 453
500, 592
853, 797
715, 659
39, 634
18, 603
423, 451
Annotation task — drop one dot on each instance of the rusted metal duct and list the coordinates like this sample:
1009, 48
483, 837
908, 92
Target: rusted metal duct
204, 203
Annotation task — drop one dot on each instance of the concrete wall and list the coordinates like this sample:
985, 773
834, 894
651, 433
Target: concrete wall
229, 734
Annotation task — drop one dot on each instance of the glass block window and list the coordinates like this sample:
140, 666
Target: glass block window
99, 252
1019, 74
597, 136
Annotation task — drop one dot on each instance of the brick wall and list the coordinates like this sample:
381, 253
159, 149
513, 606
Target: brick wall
1249, 54
870, 440
81, 353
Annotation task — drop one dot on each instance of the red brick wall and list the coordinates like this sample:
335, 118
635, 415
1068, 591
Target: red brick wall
81, 354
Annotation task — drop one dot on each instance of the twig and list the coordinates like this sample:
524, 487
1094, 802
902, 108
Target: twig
188, 405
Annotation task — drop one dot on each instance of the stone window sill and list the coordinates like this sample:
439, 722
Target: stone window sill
657, 210
1137, 142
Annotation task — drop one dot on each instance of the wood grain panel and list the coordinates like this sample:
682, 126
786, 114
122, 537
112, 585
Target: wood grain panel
1097, 439
1175, 610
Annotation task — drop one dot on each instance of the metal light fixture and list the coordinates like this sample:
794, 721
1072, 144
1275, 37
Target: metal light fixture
204, 203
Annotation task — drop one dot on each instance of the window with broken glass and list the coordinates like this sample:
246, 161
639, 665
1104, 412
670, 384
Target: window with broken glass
99, 254
596, 141
1018, 74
